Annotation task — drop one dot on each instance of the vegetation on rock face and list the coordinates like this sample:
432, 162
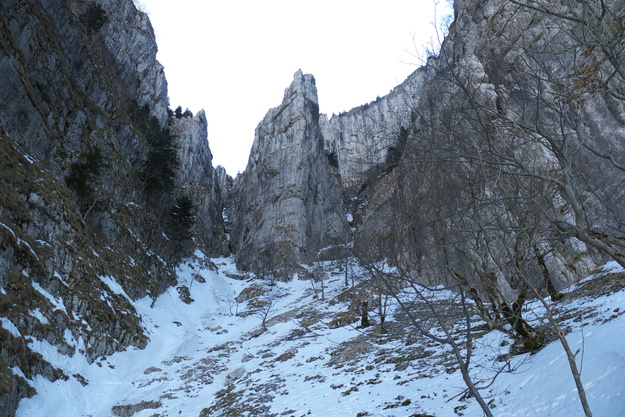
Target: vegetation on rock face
86, 182
332, 159
179, 114
507, 185
95, 17
395, 152
158, 169
40, 224
183, 216
85, 172
179, 224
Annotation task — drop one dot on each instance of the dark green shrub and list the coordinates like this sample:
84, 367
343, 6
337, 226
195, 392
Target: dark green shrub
182, 218
95, 17
395, 152
84, 173
158, 169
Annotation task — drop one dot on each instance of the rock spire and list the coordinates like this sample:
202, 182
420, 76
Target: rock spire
289, 198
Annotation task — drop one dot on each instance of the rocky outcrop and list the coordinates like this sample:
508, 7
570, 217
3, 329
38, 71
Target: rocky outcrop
225, 183
516, 94
361, 138
130, 410
200, 182
83, 108
130, 45
288, 202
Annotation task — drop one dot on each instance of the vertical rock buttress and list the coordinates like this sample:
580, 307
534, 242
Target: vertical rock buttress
289, 204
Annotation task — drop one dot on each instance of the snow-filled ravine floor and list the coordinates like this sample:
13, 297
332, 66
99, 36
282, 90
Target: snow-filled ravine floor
300, 366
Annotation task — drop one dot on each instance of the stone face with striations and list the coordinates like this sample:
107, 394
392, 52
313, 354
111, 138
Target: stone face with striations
361, 138
288, 203
199, 181
76, 224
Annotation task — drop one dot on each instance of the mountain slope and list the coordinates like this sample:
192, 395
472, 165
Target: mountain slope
93, 172
214, 359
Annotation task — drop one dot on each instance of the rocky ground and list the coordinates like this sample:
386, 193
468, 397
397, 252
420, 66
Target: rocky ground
211, 355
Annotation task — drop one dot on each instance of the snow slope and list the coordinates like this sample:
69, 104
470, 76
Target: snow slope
300, 366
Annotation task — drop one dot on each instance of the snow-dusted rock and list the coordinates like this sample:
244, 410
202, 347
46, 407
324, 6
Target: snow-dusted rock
234, 375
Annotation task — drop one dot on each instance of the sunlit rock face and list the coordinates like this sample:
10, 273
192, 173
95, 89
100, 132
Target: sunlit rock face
288, 203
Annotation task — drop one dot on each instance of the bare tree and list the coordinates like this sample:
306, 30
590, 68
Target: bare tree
264, 306
514, 141
507, 172
426, 310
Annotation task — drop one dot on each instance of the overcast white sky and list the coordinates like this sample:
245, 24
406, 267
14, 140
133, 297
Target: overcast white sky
235, 58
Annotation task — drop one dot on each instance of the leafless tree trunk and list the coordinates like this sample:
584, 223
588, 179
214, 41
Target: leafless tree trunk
392, 283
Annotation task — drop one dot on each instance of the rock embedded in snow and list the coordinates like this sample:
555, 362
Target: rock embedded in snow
130, 410
234, 375
151, 370
247, 358
288, 354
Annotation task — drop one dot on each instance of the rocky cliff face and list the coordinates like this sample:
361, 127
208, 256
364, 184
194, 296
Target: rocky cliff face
288, 202
411, 156
83, 113
513, 101
361, 138
199, 181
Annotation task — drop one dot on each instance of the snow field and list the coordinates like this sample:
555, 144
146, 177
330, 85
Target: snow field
295, 367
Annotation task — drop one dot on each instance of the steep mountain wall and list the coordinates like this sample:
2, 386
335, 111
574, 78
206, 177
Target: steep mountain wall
360, 139
506, 175
288, 202
84, 128
198, 180
521, 101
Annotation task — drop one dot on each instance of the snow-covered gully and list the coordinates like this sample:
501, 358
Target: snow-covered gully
212, 357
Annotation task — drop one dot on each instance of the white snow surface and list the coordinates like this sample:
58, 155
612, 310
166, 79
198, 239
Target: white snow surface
8, 325
194, 346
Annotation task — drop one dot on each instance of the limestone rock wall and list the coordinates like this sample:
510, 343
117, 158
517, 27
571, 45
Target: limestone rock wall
198, 180
519, 83
129, 39
225, 183
78, 232
360, 138
288, 202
